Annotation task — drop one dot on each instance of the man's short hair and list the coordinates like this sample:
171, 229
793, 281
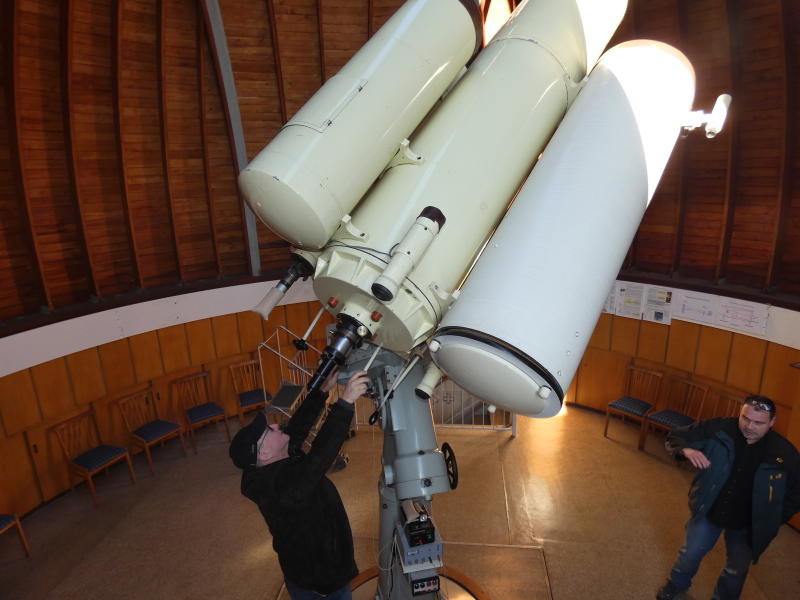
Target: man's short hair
761, 403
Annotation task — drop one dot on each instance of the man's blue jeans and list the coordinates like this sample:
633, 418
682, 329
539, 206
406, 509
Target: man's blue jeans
701, 535
297, 593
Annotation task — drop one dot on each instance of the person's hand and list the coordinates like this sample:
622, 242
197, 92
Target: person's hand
697, 458
330, 381
356, 387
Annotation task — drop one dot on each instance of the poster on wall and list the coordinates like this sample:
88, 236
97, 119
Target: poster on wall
610, 305
630, 297
658, 304
694, 306
748, 317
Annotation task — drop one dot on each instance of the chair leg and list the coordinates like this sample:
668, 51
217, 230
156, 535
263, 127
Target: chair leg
605, 430
130, 467
643, 433
194, 441
92, 491
227, 429
23, 540
183, 442
149, 459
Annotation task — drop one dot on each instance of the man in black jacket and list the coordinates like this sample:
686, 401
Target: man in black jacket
748, 484
310, 530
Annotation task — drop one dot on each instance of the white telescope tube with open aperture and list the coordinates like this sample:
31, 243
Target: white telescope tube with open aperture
325, 158
477, 148
517, 332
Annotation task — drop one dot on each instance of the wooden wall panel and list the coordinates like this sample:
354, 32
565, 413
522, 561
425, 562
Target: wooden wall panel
200, 336
18, 405
86, 374
183, 140
44, 152
746, 362
53, 388
48, 460
381, 11
226, 335
251, 333
344, 31
19, 492
95, 145
222, 383
780, 381
146, 355
174, 348
653, 341
601, 336
682, 345
226, 207
117, 365
601, 378
296, 22
142, 151
17, 256
625, 335
713, 349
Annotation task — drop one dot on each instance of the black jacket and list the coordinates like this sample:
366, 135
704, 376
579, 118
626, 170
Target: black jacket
776, 486
310, 530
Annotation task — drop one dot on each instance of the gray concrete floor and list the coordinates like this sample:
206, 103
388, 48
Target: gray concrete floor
607, 518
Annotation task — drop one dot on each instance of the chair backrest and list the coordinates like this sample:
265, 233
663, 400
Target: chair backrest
78, 434
686, 397
191, 390
138, 408
728, 404
643, 384
246, 376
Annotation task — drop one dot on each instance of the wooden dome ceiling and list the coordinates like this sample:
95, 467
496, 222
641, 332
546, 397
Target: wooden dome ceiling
117, 166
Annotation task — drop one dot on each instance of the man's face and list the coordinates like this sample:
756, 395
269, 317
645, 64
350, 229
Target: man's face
754, 424
273, 445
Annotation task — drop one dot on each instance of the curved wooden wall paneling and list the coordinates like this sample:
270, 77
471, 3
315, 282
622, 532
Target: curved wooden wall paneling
296, 22
708, 47
658, 20
755, 200
141, 145
44, 152
249, 36
225, 205
380, 11
344, 31
183, 140
18, 257
95, 145
785, 275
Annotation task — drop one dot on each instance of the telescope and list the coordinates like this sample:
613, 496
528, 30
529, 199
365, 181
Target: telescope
466, 210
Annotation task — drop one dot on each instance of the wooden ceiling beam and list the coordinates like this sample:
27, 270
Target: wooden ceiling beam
790, 108
734, 10
682, 159
210, 200
70, 133
125, 187
371, 17
276, 55
323, 69
162, 98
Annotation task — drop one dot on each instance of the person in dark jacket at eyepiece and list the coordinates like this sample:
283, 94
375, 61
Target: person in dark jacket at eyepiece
303, 510
748, 484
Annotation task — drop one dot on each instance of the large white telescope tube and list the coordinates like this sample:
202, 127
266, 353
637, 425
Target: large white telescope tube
325, 158
516, 334
475, 150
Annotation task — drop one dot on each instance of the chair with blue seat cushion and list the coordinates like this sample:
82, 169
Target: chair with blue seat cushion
193, 394
641, 395
248, 385
145, 426
683, 405
85, 452
9, 521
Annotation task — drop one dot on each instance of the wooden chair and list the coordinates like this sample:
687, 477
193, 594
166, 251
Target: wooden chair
146, 428
247, 384
641, 395
728, 404
9, 521
85, 451
683, 405
193, 395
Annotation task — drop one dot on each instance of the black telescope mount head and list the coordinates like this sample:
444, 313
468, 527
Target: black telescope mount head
348, 335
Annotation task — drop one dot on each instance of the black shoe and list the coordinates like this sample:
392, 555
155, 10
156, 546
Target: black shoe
669, 592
